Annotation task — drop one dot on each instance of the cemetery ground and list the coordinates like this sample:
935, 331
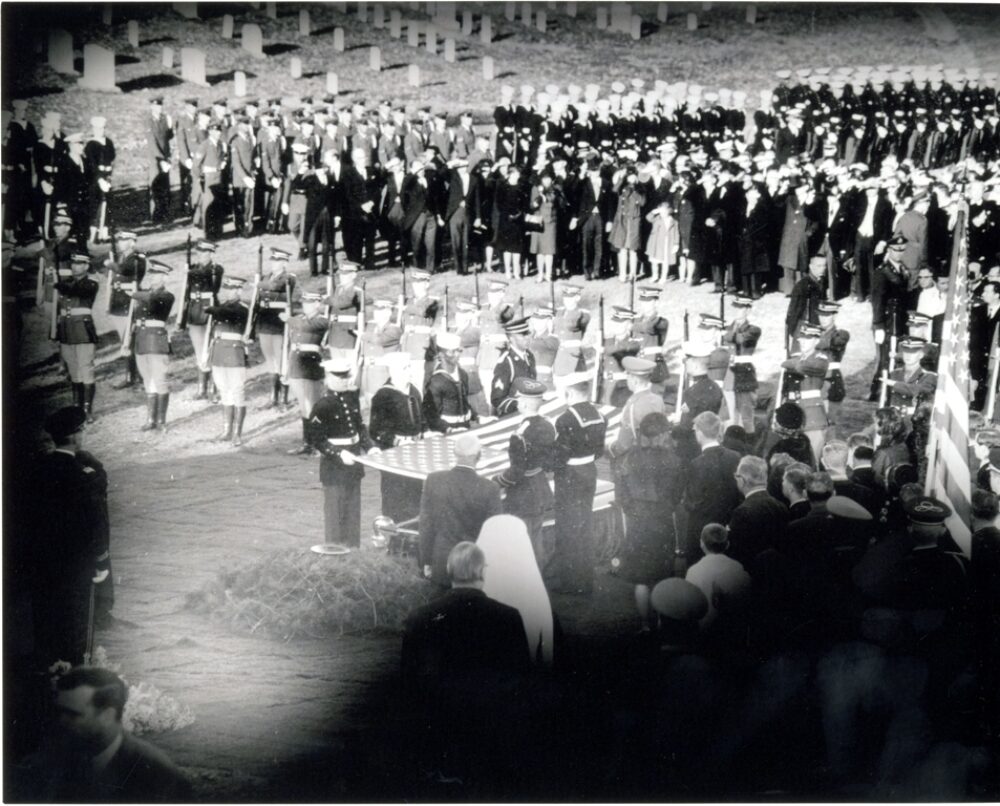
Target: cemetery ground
303, 719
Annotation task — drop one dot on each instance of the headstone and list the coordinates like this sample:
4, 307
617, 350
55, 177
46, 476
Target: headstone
661, 12
467, 22
338, 40
271, 10
602, 18
305, 23
488, 72
193, 66
252, 40
132, 31
395, 23
571, 10
432, 40
526, 14
332, 83
98, 69
413, 74
168, 57
228, 24
486, 29
752, 13
621, 17
542, 21
107, 14
375, 59
378, 16
510, 11
340, 7
61, 51
187, 10
240, 80
692, 21
413, 33
449, 51
362, 11
295, 67
636, 27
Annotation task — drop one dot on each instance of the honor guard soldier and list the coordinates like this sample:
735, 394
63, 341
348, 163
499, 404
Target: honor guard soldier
701, 393
544, 345
470, 336
306, 332
919, 325
719, 361
516, 362
580, 432
618, 343
804, 303
345, 310
527, 492
58, 252
417, 318
274, 298
127, 268
569, 325
643, 401
337, 431
203, 284
741, 380
911, 384
397, 418
810, 370
833, 344
380, 340
228, 357
100, 155
492, 338
152, 343
76, 332
446, 400
651, 330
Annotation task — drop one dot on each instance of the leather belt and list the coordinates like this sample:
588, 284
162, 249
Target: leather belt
306, 348
229, 336
575, 461
344, 317
618, 376
742, 359
78, 312
202, 295
833, 365
268, 304
810, 394
343, 440
152, 323
456, 418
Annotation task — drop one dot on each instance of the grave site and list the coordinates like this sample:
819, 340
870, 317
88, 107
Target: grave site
262, 655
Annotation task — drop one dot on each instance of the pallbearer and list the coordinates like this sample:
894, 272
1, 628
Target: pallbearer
345, 307
833, 343
544, 345
569, 325
204, 282
701, 393
618, 344
275, 297
126, 271
381, 339
76, 332
642, 401
492, 319
740, 385
305, 361
470, 336
446, 399
152, 343
811, 369
517, 361
417, 319
228, 357
651, 330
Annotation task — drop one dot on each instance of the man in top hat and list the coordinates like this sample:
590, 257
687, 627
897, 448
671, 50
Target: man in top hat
804, 303
525, 484
418, 317
643, 400
810, 370
911, 384
833, 343
159, 135
203, 283
337, 431
517, 361
741, 380
127, 268
306, 332
446, 398
701, 393
152, 343
889, 291
76, 333
227, 356
99, 156
346, 317
274, 296
380, 340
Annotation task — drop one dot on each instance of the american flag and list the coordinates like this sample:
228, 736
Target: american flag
948, 477
418, 459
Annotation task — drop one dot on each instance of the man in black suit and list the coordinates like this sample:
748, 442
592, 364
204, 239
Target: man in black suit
793, 487
423, 212
834, 457
391, 214
820, 535
323, 211
593, 217
454, 505
463, 198
96, 760
360, 193
711, 494
984, 320
756, 524
889, 291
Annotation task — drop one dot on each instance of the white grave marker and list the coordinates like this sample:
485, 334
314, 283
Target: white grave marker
252, 40
193, 66
98, 69
61, 51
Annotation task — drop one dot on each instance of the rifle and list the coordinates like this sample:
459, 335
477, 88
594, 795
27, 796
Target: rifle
687, 326
128, 335
446, 309
631, 292
521, 303
475, 275
359, 338
883, 397
595, 388
182, 316
552, 291
207, 344
681, 383
48, 199
112, 273
88, 648
402, 301
40, 283
330, 288
722, 305
285, 340
54, 321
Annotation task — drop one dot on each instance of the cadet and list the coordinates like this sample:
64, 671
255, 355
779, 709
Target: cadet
345, 313
380, 340
812, 368
274, 297
228, 357
125, 276
517, 361
833, 343
446, 399
643, 401
305, 357
911, 384
203, 283
702, 393
152, 344
741, 380
618, 343
580, 432
544, 345
337, 431
76, 332
804, 303
528, 495
492, 338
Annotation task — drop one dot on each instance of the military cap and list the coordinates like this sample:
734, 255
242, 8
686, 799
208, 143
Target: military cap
841, 506
205, 246
448, 341
81, 258
347, 267
312, 296
383, 304
790, 416
338, 366
458, 163
62, 218
524, 386
300, 148
815, 366
543, 312
571, 290
827, 308
420, 276
214, 127
622, 313
926, 509
810, 331
694, 349
280, 254
515, 326
75, 137
233, 282
916, 318
641, 367
679, 600
125, 235
710, 321
98, 120
65, 422
718, 359
154, 266
912, 344
649, 292
898, 241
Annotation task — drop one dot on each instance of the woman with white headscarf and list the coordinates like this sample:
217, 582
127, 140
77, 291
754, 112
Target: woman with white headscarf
512, 577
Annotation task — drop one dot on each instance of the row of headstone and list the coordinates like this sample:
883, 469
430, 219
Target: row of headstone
193, 66
252, 40
98, 69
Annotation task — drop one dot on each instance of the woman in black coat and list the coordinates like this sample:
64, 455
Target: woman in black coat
753, 241
509, 205
690, 206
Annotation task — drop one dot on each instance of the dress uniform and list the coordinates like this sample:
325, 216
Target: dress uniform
125, 278
618, 344
526, 486
58, 252
73, 183
516, 362
337, 431
159, 134
228, 357
804, 304
580, 432
471, 338
741, 380
719, 365
833, 344
417, 318
345, 311
306, 332
446, 399
811, 369
76, 332
911, 384
380, 340
396, 418
702, 394
651, 330
152, 344
492, 337
99, 154
274, 297
210, 164
203, 284
644, 400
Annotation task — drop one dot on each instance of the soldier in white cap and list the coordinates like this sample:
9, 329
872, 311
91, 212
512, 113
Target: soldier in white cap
417, 318
227, 356
642, 401
152, 343
126, 270
76, 332
274, 297
306, 332
99, 153
203, 283
446, 399
517, 361
379, 341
